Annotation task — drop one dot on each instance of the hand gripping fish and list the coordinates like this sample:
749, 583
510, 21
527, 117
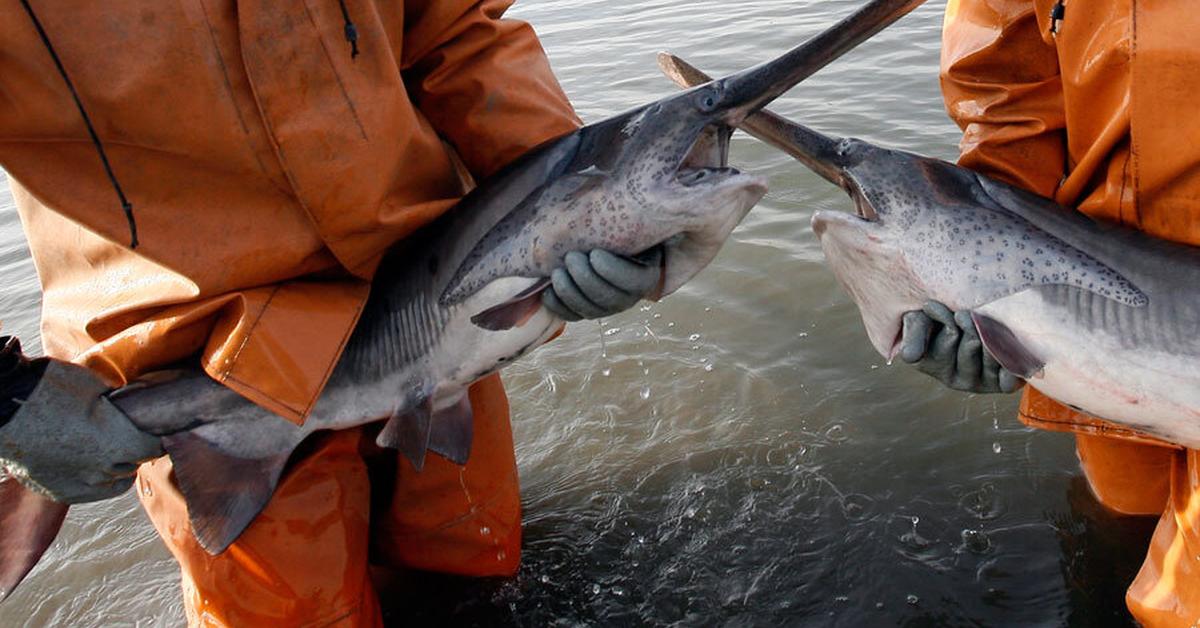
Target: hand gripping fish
1098, 316
461, 298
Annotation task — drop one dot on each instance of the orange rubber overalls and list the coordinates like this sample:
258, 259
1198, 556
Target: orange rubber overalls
1098, 111
270, 161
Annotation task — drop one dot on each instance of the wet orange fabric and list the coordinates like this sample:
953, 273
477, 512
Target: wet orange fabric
1102, 117
268, 171
267, 168
305, 560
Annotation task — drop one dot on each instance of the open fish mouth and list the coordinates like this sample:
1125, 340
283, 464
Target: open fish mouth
689, 177
862, 205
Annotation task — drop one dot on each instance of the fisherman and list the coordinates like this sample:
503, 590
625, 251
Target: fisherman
217, 182
1090, 104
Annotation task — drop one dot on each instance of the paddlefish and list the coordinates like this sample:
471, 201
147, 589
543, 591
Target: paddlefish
1098, 316
461, 298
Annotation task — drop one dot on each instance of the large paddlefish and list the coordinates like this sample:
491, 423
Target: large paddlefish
460, 299
1098, 316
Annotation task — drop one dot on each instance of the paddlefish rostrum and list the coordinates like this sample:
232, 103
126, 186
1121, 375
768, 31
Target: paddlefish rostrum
461, 298
1098, 316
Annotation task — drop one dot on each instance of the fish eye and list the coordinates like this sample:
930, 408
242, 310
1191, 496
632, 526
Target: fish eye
710, 98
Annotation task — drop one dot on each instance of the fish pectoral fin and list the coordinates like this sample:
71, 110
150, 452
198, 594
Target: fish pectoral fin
224, 493
29, 523
453, 430
1003, 344
514, 312
408, 433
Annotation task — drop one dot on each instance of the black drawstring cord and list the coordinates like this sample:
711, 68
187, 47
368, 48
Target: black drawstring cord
351, 30
125, 204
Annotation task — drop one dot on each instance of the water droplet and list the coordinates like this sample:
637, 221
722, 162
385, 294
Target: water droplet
841, 599
606, 371
708, 367
671, 324
976, 541
879, 605
484, 530
147, 491
657, 315
545, 579
694, 337
501, 555
912, 599
614, 330
618, 591
595, 589
996, 448
644, 393
689, 513
708, 309
804, 334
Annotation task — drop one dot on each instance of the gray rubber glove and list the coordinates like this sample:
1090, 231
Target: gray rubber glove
946, 346
601, 283
69, 442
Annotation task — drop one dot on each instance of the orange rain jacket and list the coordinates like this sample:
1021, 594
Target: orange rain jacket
1100, 115
268, 170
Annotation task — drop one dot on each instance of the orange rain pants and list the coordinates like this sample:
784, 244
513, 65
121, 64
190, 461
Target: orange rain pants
269, 166
304, 560
1098, 111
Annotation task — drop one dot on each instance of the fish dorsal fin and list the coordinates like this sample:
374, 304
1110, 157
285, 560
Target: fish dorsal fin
514, 312
453, 430
408, 432
1003, 344
224, 493
29, 522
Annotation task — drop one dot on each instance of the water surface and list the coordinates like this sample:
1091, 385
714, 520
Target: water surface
736, 454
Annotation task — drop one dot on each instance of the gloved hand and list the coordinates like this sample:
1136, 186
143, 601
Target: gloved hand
946, 346
601, 283
67, 441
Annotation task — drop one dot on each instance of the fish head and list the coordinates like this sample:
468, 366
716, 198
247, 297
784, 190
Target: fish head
871, 250
871, 262
608, 184
702, 205
878, 252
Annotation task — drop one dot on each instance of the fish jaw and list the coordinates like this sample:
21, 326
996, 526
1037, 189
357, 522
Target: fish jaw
876, 275
710, 215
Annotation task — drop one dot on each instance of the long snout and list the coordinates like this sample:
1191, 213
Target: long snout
816, 150
751, 89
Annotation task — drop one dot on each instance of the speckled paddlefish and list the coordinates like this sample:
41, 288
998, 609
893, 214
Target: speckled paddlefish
462, 298
1095, 315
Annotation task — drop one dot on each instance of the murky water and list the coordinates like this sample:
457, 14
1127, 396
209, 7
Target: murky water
737, 454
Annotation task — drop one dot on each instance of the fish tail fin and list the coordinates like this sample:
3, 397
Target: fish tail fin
224, 493
29, 523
